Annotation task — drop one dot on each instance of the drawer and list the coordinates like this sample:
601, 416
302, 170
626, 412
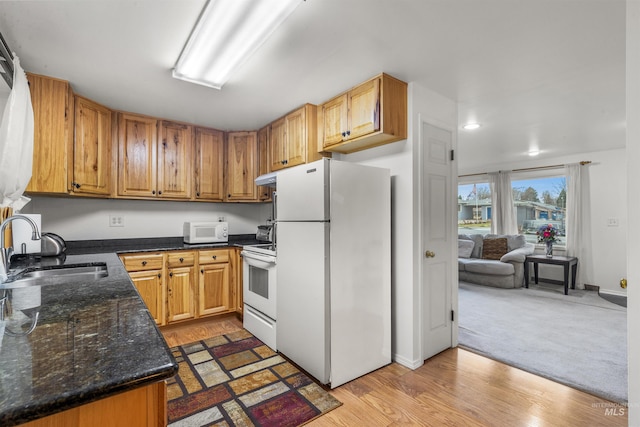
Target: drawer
178, 259
213, 256
141, 262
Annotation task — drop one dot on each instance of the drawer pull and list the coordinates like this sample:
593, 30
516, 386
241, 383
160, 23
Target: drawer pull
214, 256
144, 263
181, 259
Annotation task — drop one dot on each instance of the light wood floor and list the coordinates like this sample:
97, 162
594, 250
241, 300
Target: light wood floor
453, 388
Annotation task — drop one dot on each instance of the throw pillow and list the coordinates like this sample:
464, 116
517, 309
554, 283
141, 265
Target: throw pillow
465, 247
514, 241
494, 248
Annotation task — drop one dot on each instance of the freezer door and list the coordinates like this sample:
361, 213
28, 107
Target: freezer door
302, 304
302, 192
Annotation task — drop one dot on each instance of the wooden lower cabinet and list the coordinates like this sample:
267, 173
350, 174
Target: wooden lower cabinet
214, 286
145, 406
178, 286
180, 294
146, 271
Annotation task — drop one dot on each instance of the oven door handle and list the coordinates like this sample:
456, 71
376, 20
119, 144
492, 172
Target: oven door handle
263, 258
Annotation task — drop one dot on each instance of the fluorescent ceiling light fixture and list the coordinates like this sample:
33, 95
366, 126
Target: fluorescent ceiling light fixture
471, 126
226, 34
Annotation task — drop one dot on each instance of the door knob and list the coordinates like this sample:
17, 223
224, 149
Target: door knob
429, 254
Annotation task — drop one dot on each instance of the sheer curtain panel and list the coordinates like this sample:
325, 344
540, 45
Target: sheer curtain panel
503, 217
16, 141
578, 221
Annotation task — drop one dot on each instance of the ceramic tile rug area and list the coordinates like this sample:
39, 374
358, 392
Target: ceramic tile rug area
236, 380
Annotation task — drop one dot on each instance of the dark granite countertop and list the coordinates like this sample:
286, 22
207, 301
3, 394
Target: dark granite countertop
151, 244
93, 339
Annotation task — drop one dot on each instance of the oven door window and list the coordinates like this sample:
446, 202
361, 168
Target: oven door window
259, 281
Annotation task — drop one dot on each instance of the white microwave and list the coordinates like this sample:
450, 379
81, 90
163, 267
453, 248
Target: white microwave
205, 232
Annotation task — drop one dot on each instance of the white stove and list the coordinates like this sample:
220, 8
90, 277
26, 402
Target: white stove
261, 248
259, 291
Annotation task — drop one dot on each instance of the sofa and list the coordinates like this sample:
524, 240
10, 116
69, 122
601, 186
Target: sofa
493, 260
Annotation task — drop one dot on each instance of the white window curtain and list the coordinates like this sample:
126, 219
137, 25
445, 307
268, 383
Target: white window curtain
503, 216
16, 141
578, 221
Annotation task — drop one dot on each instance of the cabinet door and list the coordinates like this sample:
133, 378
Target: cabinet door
174, 160
334, 120
180, 294
264, 193
278, 144
92, 148
150, 287
209, 164
364, 109
213, 287
296, 137
137, 155
242, 166
52, 102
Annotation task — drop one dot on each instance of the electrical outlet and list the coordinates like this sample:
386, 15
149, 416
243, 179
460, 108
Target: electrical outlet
116, 221
613, 222
221, 219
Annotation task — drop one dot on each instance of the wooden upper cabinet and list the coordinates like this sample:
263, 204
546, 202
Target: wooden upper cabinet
175, 147
209, 164
371, 114
335, 119
278, 143
92, 157
137, 155
242, 166
52, 101
264, 164
293, 138
364, 109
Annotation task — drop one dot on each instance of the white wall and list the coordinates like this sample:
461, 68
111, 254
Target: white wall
85, 218
401, 158
608, 182
633, 178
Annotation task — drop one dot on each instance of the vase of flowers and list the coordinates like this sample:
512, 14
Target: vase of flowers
547, 235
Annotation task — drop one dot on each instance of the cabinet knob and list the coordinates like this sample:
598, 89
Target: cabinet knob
202, 271
348, 132
144, 263
170, 274
159, 275
214, 256
229, 195
344, 134
198, 194
181, 259
159, 192
153, 191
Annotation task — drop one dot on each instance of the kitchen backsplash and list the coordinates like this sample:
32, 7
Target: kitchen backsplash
84, 218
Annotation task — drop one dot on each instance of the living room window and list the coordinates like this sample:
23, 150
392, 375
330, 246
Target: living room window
538, 201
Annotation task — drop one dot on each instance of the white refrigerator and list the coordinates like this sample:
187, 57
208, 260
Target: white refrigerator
334, 268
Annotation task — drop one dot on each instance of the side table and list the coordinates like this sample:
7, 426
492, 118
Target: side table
564, 261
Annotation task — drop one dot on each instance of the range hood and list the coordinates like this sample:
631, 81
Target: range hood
268, 179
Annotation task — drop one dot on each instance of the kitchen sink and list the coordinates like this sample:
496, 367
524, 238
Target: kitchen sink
56, 275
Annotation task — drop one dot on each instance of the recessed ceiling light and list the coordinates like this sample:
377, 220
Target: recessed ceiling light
534, 152
471, 126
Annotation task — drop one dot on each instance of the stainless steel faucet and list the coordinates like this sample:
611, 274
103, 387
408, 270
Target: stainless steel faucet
7, 253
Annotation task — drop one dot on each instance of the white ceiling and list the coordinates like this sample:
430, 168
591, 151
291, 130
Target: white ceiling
545, 74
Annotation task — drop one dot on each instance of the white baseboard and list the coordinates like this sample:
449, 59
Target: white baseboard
407, 363
610, 292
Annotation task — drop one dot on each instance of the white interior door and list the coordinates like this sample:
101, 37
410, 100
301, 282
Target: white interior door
438, 239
